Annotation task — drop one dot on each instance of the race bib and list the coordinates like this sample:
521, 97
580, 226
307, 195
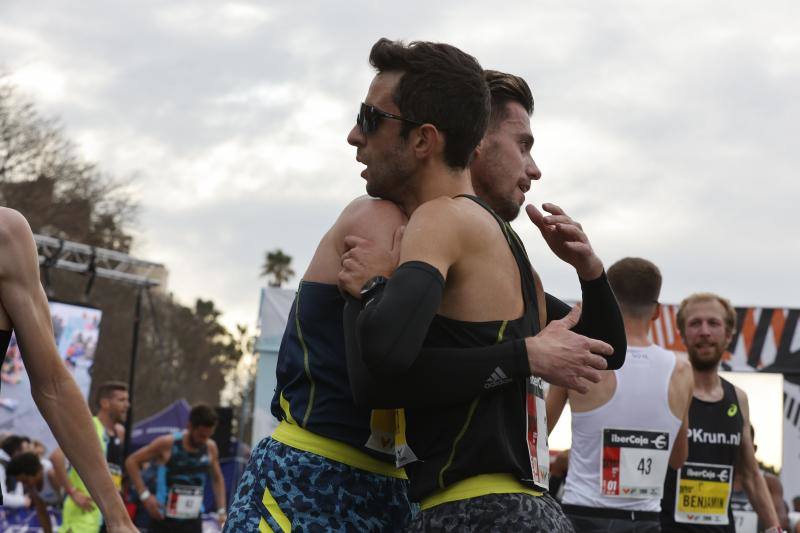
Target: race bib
703, 493
184, 502
536, 432
633, 463
382, 428
388, 435
116, 475
745, 521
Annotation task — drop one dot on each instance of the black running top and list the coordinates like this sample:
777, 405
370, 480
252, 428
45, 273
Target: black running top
715, 434
487, 434
483, 433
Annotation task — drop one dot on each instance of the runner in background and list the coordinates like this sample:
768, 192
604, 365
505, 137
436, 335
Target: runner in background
186, 459
80, 512
697, 496
628, 427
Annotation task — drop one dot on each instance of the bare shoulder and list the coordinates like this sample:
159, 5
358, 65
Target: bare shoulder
370, 218
445, 212
13, 227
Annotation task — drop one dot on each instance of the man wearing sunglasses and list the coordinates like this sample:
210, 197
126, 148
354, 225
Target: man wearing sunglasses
432, 339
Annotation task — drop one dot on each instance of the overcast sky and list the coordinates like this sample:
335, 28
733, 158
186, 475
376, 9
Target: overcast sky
669, 129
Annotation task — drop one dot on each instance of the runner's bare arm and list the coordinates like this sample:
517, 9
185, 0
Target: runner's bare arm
53, 389
158, 450
556, 400
41, 512
60, 471
680, 398
747, 467
364, 217
776, 491
217, 481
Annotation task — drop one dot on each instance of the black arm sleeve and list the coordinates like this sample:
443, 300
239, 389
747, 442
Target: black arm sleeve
600, 319
426, 376
393, 323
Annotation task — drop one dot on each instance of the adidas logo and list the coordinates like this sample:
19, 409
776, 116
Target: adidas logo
497, 378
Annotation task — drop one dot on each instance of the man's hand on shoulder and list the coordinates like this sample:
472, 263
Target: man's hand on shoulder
567, 240
565, 358
364, 259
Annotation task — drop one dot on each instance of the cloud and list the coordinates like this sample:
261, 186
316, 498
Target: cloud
667, 128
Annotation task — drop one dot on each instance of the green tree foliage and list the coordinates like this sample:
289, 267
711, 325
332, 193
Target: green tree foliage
277, 268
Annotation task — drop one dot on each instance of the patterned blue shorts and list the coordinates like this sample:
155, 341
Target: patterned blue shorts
313, 493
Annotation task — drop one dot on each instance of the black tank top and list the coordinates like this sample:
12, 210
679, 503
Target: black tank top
487, 435
115, 457
715, 433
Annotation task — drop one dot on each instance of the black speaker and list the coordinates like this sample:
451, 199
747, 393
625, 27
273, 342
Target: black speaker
222, 435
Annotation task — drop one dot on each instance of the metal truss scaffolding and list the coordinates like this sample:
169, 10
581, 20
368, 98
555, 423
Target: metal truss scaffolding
98, 262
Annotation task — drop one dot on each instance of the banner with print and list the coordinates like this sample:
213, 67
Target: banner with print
766, 340
77, 330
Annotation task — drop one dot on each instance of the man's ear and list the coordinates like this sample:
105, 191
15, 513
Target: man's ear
478, 151
427, 141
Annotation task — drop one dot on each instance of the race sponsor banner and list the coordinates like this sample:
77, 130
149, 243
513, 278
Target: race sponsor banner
703, 493
633, 463
77, 330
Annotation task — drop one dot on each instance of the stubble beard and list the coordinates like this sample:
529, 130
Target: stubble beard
705, 364
391, 176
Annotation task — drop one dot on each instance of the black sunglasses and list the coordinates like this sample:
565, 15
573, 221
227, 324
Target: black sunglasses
369, 118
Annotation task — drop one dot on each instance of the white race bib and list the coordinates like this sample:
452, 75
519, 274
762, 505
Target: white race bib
633, 463
184, 502
745, 521
703, 493
536, 432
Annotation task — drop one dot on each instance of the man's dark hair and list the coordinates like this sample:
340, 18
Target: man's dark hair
637, 284
203, 415
13, 444
440, 85
505, 88
27, 463
108, 388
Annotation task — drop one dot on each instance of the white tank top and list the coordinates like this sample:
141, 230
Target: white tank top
621, 449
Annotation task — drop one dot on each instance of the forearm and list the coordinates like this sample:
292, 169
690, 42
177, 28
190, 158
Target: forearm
41, 514
393, 323
219, 493
467, 371
134, 470
601, 318
759, 497
64, 408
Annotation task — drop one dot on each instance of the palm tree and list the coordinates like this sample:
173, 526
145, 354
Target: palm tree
277, 267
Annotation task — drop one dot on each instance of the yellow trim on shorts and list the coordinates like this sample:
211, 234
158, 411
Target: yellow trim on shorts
276, 514
475, 486
304, 440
